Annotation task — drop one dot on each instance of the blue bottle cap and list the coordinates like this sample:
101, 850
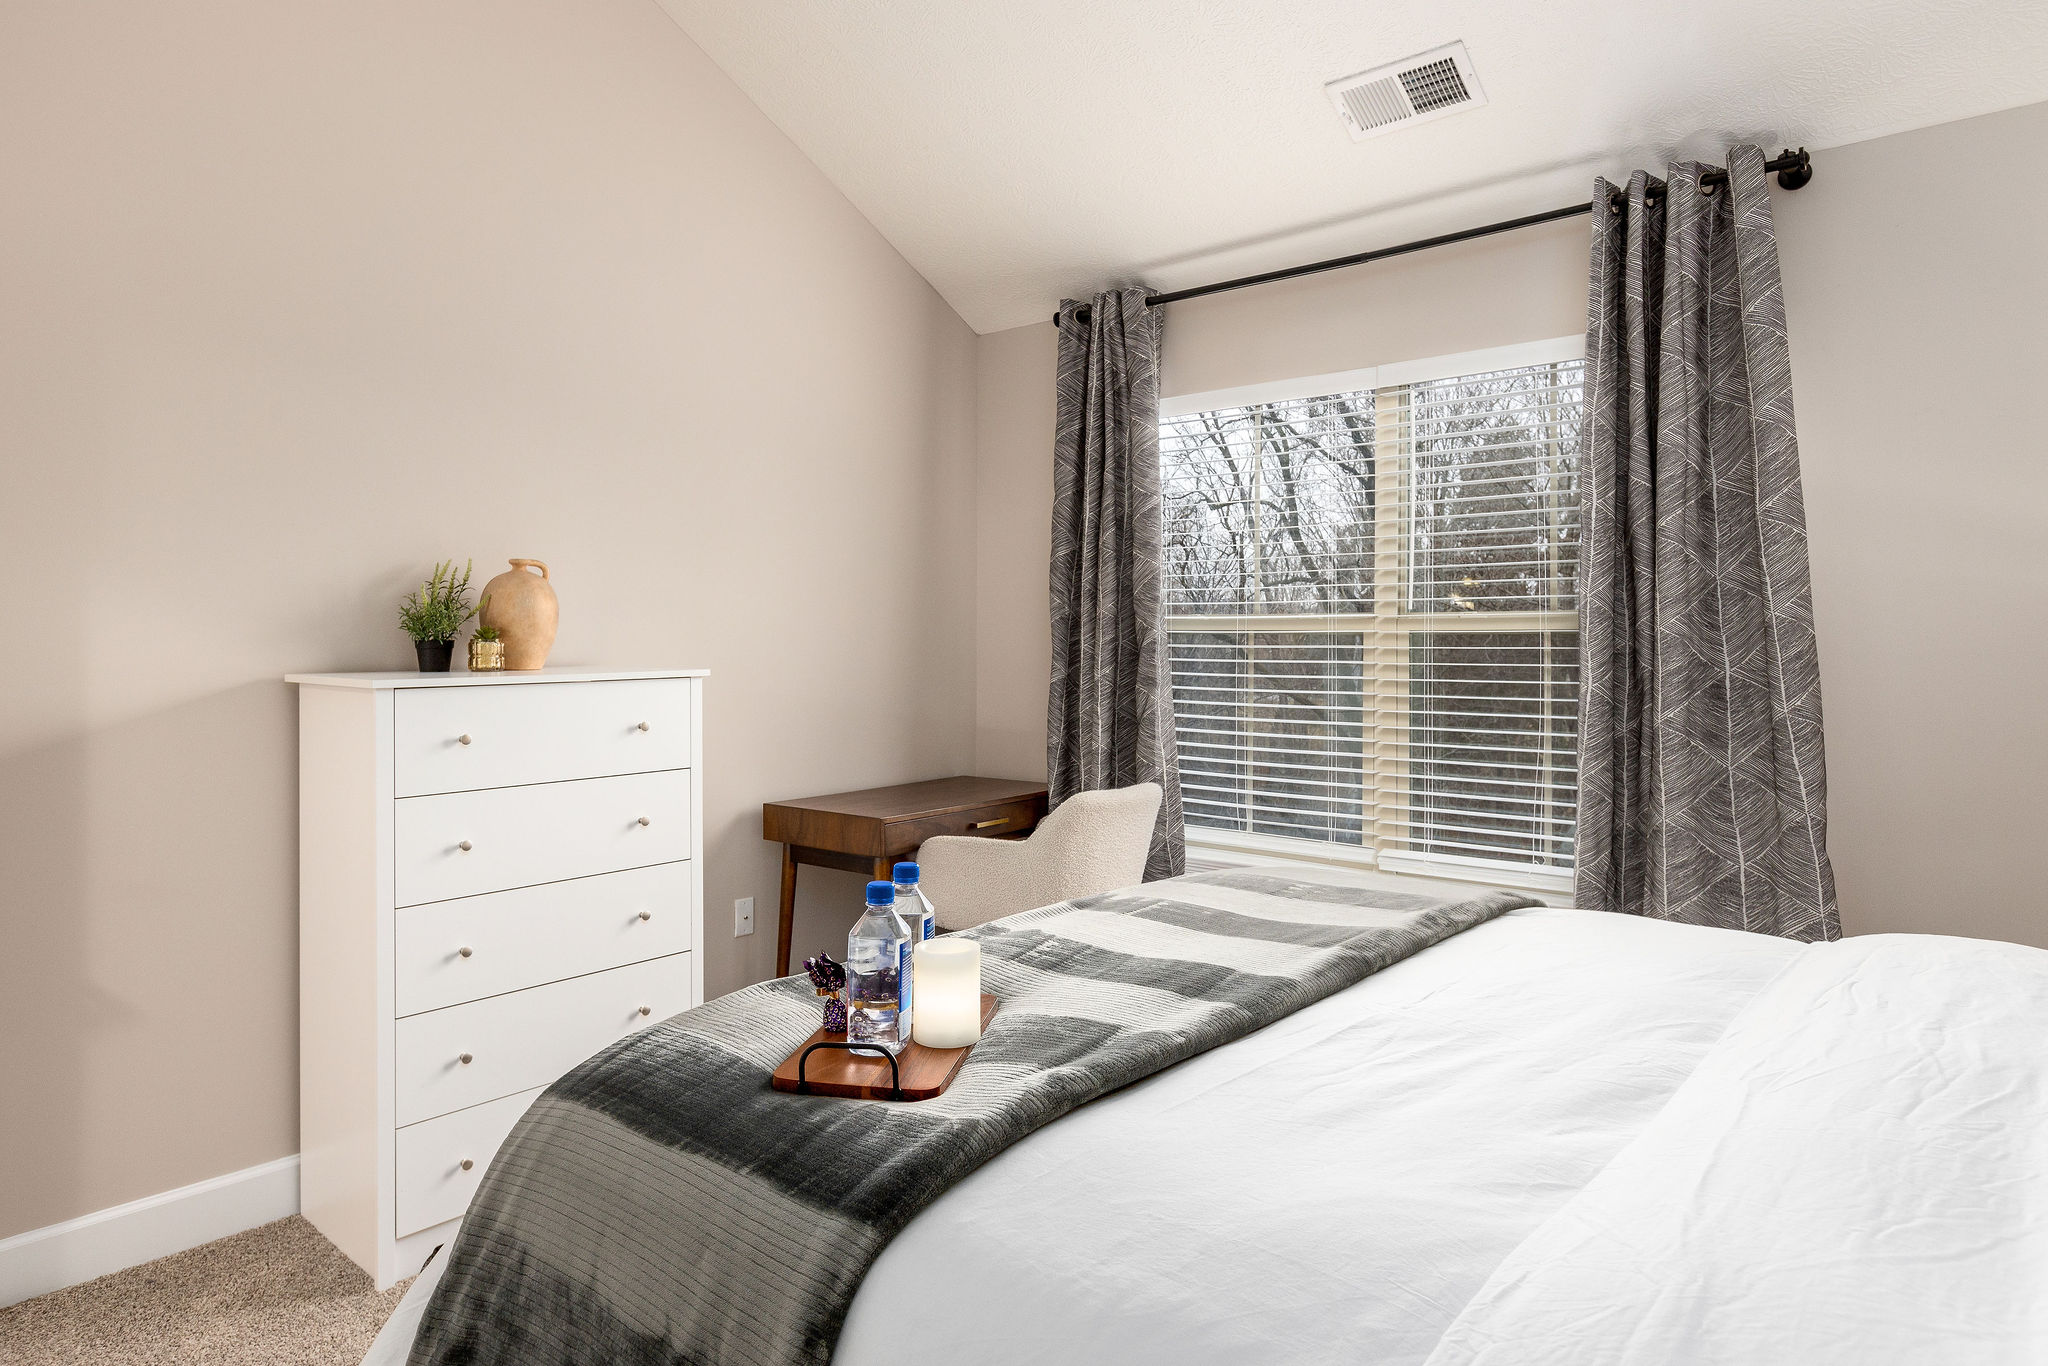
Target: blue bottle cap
906, 872
881, 894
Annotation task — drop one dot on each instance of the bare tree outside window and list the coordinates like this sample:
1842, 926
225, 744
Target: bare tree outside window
1373, 630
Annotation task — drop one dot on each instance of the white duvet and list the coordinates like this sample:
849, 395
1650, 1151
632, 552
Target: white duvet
1561, 1136
1334, 1188
1858, 1172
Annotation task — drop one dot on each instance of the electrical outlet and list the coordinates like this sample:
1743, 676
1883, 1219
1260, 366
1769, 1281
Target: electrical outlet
742, 916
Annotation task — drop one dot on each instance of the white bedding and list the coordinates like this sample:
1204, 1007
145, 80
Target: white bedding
1528, 1144
1333, 1188
1858, 1172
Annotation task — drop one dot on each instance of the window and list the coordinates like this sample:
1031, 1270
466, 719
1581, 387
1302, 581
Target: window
1370, 599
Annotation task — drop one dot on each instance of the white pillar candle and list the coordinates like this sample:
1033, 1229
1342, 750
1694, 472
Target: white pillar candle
946, 984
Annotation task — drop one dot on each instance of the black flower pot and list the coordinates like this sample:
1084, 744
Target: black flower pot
434, 655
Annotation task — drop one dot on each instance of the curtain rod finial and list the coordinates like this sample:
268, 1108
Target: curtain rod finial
1797, 174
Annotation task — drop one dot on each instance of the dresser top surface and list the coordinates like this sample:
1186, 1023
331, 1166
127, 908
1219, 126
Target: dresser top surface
411, 678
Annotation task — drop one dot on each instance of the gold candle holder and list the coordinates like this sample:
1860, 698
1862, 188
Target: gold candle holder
486, 656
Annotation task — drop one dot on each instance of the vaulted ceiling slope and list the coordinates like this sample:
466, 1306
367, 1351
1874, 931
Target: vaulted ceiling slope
1020, 150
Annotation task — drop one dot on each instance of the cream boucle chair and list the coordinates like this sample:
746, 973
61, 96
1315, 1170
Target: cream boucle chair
1092, 842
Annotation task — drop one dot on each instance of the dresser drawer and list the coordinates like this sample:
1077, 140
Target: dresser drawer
441, 1160
464, 843
454, 951
503, 735
527, 1038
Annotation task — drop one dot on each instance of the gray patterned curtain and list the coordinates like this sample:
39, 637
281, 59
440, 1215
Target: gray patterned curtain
1702, 790
1109, 719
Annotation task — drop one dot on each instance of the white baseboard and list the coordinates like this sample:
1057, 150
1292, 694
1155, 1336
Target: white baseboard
46, 1259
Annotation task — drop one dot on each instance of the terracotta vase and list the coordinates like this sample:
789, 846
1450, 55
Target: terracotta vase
523, 608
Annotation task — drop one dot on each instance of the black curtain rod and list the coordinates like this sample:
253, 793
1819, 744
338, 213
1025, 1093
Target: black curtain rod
1794, 170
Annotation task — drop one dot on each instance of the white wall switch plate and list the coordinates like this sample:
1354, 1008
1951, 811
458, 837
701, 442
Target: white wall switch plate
742, 916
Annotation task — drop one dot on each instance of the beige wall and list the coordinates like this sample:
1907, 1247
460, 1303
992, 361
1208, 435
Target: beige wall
1916, 286
296, 299
1013, 547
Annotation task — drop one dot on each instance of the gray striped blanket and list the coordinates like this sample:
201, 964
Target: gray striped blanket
662, 1203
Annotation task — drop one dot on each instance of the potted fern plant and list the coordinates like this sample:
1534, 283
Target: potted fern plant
434, 613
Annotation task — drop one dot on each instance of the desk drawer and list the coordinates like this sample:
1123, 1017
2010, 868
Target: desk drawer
519, 836
506, 734
1004, 818
527, 1038
449, 952
434, 1185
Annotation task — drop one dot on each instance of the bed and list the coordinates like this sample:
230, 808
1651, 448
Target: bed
1553, 1136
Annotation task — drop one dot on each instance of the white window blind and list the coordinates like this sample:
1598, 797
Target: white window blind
1370, 599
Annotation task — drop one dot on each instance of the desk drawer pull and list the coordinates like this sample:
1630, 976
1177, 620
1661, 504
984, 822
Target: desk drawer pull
983, 825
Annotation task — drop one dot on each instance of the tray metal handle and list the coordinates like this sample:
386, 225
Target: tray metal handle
895, 1077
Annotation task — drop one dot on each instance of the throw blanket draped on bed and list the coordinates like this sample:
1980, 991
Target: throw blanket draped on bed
662, 1203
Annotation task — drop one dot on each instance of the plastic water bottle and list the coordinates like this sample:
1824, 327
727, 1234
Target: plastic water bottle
878, 973
912, 904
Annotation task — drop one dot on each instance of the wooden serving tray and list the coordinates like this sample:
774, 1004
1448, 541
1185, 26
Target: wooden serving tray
923, 1072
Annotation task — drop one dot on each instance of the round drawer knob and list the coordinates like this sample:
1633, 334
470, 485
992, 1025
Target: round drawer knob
467, 1164
647, 915
462, 739
464, 950
646, 1010
466, 1058
641, 726
645, 821
464, 845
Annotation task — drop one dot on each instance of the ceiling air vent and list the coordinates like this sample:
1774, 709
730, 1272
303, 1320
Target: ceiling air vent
1428, 86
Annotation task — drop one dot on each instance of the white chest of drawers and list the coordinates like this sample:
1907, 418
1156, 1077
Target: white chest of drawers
499, 874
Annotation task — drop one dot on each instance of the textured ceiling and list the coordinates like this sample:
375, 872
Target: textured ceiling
1018, 150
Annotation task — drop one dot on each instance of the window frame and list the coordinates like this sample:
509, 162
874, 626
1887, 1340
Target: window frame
1386, 668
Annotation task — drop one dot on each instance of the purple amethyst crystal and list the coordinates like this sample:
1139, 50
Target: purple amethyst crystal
825, 974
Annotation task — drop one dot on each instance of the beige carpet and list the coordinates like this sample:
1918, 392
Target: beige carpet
280, 1295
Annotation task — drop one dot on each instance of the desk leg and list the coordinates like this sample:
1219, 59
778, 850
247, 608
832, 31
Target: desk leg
788, 918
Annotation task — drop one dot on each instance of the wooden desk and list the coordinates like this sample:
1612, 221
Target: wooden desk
866, 832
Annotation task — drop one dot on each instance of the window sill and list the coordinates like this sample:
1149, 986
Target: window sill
1233, 849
